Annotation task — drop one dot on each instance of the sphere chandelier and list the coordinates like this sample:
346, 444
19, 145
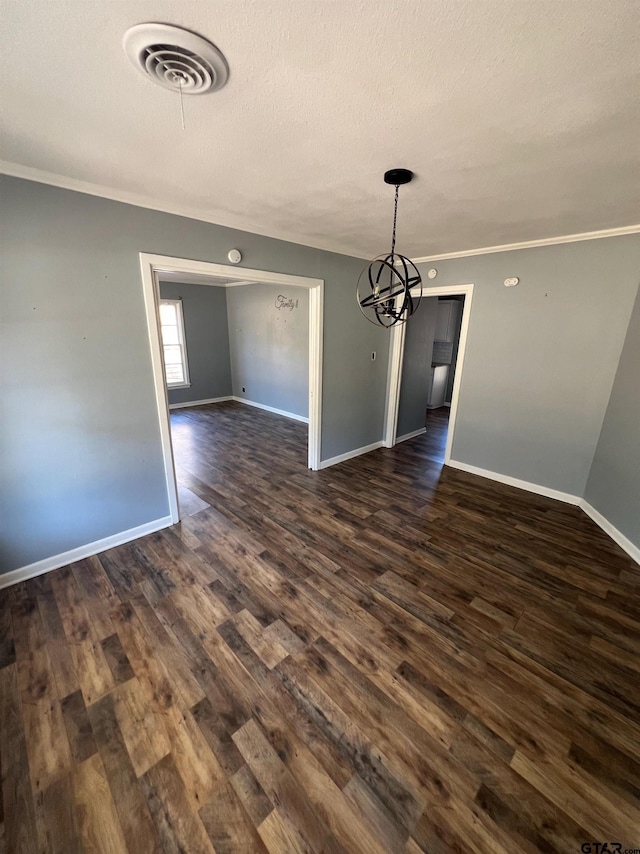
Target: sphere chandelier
385, 285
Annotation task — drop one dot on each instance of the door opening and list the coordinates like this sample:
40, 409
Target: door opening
425, 370
154, 267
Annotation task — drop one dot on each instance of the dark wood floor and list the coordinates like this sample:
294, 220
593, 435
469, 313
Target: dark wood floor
386, 656
434, 442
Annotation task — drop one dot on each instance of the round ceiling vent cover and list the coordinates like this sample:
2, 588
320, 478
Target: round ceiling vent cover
175, 58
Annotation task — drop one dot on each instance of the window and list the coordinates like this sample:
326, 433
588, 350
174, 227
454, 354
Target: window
176, 370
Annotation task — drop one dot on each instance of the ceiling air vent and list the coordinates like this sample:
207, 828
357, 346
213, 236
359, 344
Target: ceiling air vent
175, 58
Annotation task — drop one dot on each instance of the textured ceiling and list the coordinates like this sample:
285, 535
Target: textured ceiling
202, 279
521, 118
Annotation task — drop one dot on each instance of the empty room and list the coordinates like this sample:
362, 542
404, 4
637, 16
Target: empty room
320, 426
230, 347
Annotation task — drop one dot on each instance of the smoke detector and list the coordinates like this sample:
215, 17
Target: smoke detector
175, 58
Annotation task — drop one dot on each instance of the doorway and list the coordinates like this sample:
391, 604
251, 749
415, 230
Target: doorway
155, 266
432, 372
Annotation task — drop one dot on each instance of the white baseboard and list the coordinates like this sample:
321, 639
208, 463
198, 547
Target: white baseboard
411, 435
617, 536
332, 461
519, 484
292, 415
200, 402
82, 552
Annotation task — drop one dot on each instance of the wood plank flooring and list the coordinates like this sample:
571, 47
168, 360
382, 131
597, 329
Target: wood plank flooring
435, 439
386, 656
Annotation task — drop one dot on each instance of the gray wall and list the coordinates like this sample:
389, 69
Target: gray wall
269, 341
613, 487
541, 357
416, 368
81, 454
204, 308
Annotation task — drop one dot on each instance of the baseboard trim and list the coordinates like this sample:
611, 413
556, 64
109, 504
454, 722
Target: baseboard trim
411, 435
341, 458
56, 561
536, 488
291, 415
617, 536
200, 402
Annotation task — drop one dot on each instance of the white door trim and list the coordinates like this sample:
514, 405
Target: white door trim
396, 356
150, 266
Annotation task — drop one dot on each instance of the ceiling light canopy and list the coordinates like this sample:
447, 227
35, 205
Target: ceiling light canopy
385, 286
175, 58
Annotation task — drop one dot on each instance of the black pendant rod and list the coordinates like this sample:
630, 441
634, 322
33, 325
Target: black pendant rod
396, 177
395, 217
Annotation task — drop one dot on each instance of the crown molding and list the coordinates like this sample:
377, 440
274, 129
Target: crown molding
28, 173
530, 244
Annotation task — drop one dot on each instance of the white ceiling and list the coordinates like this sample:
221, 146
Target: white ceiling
520, 118
201, 279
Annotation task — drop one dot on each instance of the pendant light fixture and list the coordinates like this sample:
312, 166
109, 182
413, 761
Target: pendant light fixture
384, 287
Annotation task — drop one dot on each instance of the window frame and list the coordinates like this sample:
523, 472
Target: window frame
182, 343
